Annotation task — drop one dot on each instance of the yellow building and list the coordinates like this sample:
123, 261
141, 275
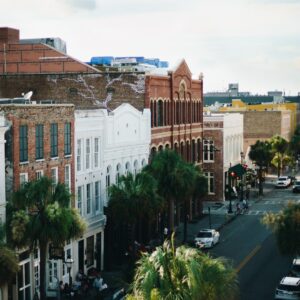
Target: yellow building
240, 106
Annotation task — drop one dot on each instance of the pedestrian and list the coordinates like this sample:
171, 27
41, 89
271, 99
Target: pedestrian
238, 208
166, 231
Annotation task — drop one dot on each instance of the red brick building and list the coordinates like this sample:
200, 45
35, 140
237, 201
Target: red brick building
39, 142
176, 103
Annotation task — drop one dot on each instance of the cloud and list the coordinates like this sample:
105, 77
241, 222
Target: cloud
82, 4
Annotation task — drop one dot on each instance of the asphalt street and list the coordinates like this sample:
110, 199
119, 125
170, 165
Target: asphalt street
252, 249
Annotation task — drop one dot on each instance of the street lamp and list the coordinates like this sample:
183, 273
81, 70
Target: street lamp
69, 262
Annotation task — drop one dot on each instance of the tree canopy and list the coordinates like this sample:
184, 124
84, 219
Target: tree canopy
286, 227
8, 259
40, 215
183, 273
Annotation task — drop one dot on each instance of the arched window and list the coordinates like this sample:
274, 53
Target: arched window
176, 148
127, 168
154, 114
136, 167
167, 146
182, 149
160, 148
144, 163
193, 151
118, 173
199, 150
178, 112
160, 113
108, 178
188, 151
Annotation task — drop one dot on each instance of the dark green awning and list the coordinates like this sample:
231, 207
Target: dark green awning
238, 169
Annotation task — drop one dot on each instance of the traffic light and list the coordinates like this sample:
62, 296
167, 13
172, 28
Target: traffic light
233, 174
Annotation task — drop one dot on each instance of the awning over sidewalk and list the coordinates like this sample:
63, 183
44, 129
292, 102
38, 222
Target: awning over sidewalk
238, 169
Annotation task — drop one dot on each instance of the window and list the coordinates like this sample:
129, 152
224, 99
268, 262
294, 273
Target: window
90, 251
39, 141
53, 140
127, 168
87, 153
118, 173
23, 178
24, 285
78, 156
210, 182
79, 199
88, 198
53, 273
36, 263
39, 174
67, 138
107, 181
160, 113
23, 143
67, 254
96, 152
208, 150
136, 166
68, 177
97, 195
54, 177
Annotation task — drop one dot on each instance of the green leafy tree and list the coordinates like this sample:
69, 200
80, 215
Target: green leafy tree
279, 149
165, 168
171, 273
41, 214
134, 199
8, 260
286, 227
261, 154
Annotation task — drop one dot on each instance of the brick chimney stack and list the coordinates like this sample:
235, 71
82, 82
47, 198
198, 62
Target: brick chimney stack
9, 35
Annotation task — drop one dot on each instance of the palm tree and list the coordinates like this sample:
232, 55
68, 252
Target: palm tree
279, 148
42, 215
8, 260
286, 227
165, 169
133, 200
261, 154
183, 273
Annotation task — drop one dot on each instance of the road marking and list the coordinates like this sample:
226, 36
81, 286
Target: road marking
247, 258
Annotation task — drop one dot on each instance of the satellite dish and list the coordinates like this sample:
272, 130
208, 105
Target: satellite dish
28, 95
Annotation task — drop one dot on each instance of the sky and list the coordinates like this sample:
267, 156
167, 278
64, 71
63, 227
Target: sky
255, 43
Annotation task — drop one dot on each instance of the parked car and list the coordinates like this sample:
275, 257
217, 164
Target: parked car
207, 238
295, 270
296, 187
283, 182
288, 288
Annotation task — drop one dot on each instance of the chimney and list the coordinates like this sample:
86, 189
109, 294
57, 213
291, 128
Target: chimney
9, 35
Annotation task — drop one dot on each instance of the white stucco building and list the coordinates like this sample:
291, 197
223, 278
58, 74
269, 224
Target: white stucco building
107, 145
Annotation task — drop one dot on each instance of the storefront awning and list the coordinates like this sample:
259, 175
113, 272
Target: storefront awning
238, 169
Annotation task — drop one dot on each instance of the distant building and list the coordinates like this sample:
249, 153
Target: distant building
287, 115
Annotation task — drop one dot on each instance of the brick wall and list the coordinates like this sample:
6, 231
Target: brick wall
214, 131
31, 115
82, 90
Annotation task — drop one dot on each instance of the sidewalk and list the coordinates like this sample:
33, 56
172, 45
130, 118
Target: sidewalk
215, 214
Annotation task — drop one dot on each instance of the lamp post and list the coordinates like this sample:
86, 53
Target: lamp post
229, 193
69, 262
